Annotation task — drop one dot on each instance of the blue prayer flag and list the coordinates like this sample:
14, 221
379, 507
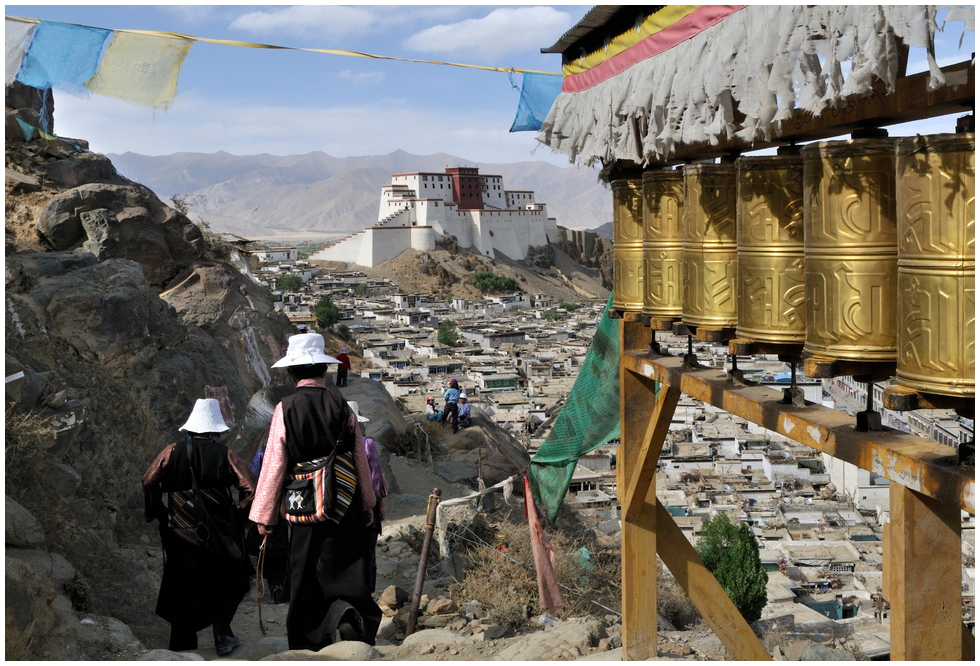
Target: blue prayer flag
62, 56
538, 93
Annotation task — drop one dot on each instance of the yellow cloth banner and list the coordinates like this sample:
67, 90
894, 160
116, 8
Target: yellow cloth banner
141, 69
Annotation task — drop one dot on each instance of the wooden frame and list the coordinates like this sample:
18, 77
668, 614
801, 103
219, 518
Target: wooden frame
922, 543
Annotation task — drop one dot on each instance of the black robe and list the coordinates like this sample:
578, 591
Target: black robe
329, 563
199, 589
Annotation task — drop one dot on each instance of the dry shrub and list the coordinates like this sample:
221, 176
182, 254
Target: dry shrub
422, 441
504, 581
25, 434
673, 603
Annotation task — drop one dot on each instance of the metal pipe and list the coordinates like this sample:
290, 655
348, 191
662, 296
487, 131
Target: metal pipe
430, 525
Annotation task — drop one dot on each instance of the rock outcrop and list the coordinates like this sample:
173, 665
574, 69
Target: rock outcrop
120, 313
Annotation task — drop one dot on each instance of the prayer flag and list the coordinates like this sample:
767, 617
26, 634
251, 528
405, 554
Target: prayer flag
538, 93
141, 69
17, 35
62, 56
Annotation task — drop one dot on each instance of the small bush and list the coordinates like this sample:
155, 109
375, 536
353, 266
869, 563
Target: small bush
488, 281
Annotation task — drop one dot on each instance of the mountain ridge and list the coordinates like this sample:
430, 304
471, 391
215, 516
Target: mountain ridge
316, 192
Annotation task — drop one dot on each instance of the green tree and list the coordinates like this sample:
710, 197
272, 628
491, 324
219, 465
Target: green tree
549, 314
447, 333
344, 333
731, 553
488, 281
327, 314
289, 282
567, 306
362, 289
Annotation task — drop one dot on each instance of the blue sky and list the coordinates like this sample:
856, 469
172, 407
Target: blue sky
247, 101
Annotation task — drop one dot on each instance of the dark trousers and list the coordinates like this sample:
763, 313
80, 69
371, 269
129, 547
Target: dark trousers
341, 376
451, 410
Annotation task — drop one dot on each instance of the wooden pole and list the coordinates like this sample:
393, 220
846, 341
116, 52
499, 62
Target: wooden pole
430, 525
923, 574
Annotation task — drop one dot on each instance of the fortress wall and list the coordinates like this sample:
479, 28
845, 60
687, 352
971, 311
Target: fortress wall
423, 238
382, 244
346, 250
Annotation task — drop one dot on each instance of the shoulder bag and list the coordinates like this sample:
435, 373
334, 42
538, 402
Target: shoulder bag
321, 489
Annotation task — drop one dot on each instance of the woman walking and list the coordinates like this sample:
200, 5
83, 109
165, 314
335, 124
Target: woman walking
329, 568
200, 586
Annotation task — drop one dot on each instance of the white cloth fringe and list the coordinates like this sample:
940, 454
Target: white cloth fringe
768, 59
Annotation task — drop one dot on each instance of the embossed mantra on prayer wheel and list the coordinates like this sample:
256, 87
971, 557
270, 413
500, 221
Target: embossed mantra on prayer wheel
663, 243
936, 263
851, 249
628, 245
771, 298
710, 254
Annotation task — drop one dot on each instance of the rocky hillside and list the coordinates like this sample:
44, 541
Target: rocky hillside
120, 313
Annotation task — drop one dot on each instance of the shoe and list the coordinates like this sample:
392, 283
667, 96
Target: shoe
346, 632
225, 644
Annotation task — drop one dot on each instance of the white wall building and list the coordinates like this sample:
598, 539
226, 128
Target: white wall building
418, 208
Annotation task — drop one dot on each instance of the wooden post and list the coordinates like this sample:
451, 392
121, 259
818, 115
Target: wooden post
639, 400
923, 574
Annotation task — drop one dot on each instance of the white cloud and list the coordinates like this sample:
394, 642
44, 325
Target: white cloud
502, 32
201, 124
306, 20
362, 78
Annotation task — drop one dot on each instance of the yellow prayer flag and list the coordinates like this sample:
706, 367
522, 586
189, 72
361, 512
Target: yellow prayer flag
141, 69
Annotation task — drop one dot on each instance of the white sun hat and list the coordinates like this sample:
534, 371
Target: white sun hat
206, 417
360, 419
462, 396
304, 349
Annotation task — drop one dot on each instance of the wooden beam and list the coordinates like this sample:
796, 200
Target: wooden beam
911, 100
919, 464
639, 537
922, 554
645, 467
705, 591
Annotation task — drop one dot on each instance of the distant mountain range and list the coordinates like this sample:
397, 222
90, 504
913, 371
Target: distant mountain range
268, 195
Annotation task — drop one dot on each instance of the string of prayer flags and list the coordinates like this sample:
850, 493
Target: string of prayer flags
17, 37
141, 69
62, 56
538, 93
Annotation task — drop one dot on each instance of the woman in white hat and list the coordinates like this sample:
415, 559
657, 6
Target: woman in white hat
200, 586
329, 578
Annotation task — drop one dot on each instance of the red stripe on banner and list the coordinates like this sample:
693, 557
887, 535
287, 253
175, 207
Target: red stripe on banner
684, 29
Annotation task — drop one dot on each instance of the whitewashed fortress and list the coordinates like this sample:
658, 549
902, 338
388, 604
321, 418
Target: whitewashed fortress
418, 208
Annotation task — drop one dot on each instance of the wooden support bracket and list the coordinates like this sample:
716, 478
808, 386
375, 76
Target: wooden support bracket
714, 334
904, 399
645, 466
748, 348
917, 463
824, 368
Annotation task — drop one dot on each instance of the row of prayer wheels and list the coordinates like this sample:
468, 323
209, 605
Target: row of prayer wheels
860, 250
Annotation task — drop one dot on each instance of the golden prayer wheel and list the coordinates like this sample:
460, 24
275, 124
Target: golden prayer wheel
851, 249
936, 263
710, 254
663, 243
771, 297
628, 245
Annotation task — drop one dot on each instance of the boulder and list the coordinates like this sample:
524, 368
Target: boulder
19, 604
434, 637
20, 96
21, 181
80, 169
21, 528
441, 605
343, 651
393, 597
167, 655
46, 565
375, 403
23, 386
134, 224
